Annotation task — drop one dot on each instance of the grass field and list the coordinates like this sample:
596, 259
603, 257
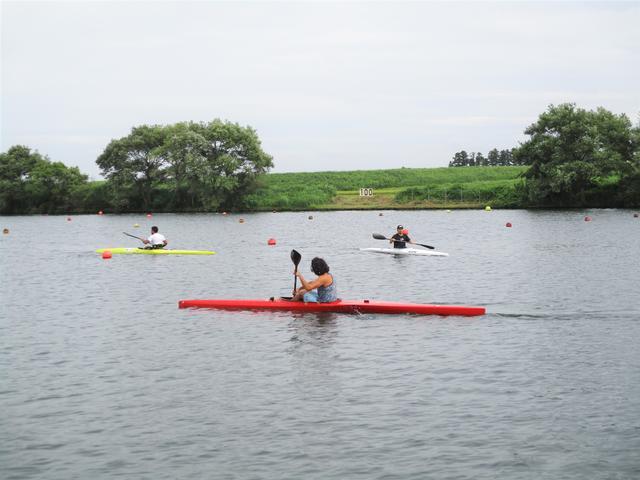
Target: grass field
469, 187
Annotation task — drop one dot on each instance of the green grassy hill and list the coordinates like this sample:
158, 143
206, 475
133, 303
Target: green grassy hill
470, 187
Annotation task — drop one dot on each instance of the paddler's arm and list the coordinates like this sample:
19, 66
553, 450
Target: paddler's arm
308, 286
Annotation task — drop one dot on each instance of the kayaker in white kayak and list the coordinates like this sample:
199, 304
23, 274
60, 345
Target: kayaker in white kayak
156, 240
401, 238
321, 290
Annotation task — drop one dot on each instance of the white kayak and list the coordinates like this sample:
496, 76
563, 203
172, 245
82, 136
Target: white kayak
406, 251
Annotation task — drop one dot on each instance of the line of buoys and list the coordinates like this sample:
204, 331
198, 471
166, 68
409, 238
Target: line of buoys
271, 241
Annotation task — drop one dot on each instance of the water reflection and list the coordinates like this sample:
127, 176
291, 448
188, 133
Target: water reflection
313, 328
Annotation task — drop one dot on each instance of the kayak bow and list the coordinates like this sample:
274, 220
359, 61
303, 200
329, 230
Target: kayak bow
339, 306
151, 251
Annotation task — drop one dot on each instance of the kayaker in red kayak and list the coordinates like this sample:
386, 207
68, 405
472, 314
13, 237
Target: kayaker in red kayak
321, 290
401, 238
156, 240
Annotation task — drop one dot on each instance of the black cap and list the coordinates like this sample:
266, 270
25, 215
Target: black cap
399, 227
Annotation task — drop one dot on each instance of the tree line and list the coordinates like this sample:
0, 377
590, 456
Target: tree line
579, 157
495, 158
31, 183
574, 157
186, 166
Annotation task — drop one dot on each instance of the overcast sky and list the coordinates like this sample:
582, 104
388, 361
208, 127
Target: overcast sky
327, 86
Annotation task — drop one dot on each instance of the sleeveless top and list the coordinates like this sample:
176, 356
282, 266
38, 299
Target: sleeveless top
328, 294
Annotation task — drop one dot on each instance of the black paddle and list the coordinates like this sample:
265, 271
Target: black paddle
378, 236
133, 236
295, 258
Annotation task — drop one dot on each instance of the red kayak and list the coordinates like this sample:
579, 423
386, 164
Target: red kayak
340, 306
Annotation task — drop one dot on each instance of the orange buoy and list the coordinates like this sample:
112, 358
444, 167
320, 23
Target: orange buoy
587, 218
271, 241
106, 254
508, 225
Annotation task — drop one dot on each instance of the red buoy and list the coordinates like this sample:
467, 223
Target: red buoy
405, 232
271, 241
587, 218
508, 225
106, 254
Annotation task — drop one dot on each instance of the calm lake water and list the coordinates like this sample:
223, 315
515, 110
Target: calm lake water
102, 376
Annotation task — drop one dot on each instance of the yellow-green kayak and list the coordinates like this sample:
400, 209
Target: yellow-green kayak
157, 251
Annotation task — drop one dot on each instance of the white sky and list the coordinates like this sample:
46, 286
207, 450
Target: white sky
328, 86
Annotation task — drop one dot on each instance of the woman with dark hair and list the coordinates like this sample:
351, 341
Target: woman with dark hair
322, 289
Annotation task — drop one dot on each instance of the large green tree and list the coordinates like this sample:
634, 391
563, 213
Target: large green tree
15, 166
134, 165
572, 152
30, 183
232, 160
201, 165
51, 186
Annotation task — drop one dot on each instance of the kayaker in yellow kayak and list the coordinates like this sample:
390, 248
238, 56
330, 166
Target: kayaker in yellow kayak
156, 240
321, 290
